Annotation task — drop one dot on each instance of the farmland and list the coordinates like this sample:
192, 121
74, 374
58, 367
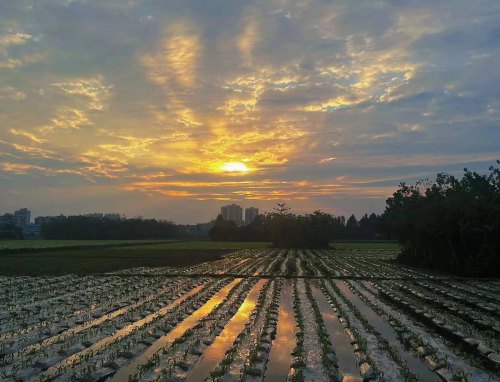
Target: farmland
36, 245
46, 244
49, 257
348, 314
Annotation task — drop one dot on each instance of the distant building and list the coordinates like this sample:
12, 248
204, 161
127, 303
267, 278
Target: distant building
250, 214
232, 212
22, 217
32, 230
19, 218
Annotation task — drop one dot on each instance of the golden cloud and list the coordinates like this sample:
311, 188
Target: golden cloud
68, 118
93, 89
250, 35
176, 58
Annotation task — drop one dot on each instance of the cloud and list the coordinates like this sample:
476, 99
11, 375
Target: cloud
9, 42
177, 57
250, 34
8, 92
28, 135
93, 89
324, 102
67, 118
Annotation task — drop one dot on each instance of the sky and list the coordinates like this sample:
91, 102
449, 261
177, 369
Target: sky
173, 108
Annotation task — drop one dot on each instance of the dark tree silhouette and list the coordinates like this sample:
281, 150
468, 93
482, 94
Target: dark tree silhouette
83, 228
449, 224
287, 230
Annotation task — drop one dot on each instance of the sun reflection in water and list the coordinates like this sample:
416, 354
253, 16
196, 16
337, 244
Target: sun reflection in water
215, 352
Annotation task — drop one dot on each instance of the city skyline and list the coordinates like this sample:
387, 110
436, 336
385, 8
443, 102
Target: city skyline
24, 216
171, 109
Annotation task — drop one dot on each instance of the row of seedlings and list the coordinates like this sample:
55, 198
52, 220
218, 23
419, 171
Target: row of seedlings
62, 327
141, 331
247, 357
54, 349
450, 314
367, 366
461, 333
328, 354
437, 352
488, 313
60, 316
177, 359
385, 357
311, 335
210, 267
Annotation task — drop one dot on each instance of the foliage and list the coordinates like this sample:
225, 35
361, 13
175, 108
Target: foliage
84, 228
10, 231
287, 230
449, 224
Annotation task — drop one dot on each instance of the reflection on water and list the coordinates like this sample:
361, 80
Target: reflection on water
416, 365
215, 352
340, 340
124, 372
280, 356
121, 333
80, 328
351, 378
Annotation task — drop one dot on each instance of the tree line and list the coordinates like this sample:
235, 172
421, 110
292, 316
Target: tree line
449, 224
85, 228
287, 230
10, 231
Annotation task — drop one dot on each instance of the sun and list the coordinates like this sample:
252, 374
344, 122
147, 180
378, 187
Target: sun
235, 167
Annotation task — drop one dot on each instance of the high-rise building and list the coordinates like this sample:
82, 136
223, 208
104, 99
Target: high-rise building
22, 217
232, 212
250, 214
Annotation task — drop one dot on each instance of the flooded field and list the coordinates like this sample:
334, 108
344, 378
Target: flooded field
256, 315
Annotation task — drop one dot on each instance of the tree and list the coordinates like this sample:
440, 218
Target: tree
84, 228
449, 224
224, 230
351, 227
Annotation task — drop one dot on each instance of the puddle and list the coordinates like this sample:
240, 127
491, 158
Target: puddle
123, 373
214, 353
340, 340
280, 356
416, 366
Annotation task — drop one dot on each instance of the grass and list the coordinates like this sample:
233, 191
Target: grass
52, 257
37, 244
88, 261
159, 243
